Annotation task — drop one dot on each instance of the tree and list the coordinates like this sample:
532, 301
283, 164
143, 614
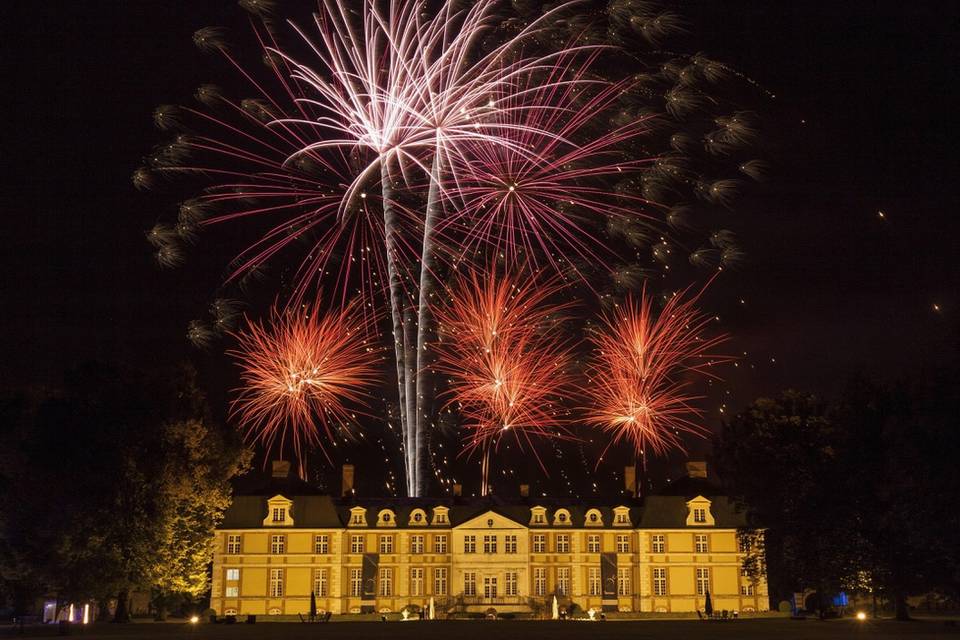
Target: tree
193, 492
900, 454
95, 486
779, 457
858, 493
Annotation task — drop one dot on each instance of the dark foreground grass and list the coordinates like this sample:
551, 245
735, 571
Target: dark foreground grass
773, 629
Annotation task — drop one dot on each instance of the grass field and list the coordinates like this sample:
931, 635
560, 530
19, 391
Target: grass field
774, 629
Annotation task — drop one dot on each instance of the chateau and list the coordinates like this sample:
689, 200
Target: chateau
282, 541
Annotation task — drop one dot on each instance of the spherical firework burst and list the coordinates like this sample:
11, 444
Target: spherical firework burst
506, 362
527, 206
300, 373
643, 368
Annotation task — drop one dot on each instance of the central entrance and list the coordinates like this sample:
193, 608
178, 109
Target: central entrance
489, 586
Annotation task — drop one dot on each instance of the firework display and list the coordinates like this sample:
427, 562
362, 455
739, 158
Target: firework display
506, 360
301, 374
389, 147
643, 368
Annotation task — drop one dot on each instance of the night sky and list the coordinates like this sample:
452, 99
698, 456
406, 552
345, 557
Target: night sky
863, 121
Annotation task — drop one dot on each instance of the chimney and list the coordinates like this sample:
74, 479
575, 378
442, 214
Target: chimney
630, 479
697, 469
524, 491
457, 489
281, 469
346, 480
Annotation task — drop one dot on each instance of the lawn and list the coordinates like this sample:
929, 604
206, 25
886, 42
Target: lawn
775, 629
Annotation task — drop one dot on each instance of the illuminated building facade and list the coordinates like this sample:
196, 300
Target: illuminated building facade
663, 553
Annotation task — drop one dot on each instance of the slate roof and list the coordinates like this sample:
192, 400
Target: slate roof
311, 509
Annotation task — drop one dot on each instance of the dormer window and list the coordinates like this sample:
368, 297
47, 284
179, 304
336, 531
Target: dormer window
440, 516
594, 519
621, 516
358, 517
538, 515
386, 518
698, 513
418, 517
561, 517
279, 512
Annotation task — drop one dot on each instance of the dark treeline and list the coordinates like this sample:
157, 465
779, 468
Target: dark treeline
858, 493
111, 483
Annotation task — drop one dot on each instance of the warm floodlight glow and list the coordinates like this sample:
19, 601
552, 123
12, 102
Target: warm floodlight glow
194, 619
861, 615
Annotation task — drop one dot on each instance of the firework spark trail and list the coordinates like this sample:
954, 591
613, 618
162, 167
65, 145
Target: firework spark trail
515, 203
300, 372
394, 95
644, 364
506, 363
407, 88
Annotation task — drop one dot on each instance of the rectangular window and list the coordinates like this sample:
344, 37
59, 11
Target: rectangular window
278, 544
386, 581
386, 544
489, 586
356, 582
623, 581
700, 543
623, 544
746, 590
593, 581
700, 515
538, 518
440, 581
593, 544
276, 583
279, 514
233, 592
321, 544
563, 543
320, 583
659, 581
440, 543
563, 581
416, 544
539, 543
489, 544
416, 581
540, 581
469, 583
622, 518
510, 544
233, 543
510, 583
356, 544
233, 574
469, 544
658, 544
703, 580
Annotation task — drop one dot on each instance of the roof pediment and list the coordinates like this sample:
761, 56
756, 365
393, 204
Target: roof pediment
491, 519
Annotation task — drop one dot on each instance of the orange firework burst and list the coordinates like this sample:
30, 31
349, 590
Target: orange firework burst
300, 371
507, 366
643, 368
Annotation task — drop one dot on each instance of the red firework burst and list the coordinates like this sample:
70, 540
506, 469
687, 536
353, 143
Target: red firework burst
300, 371
506, 365
644, 365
